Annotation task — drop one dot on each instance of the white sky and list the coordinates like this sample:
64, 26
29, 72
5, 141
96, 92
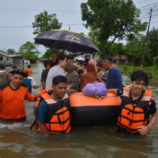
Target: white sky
18, 13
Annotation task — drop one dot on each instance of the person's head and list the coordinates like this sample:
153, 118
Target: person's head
71, 58
139, 80
2, 67
85, 65
115, 63
59, 86
99, 66
91, 68
81, 73
26, 71
28, 66
14, 67
17, 75
108, 63
59, 59
70, 67
92, 61
102, 59
47, 64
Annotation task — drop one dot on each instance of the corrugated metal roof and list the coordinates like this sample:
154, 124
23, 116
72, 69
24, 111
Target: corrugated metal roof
10, 56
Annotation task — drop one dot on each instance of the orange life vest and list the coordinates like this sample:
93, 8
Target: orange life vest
58, 119
132, 116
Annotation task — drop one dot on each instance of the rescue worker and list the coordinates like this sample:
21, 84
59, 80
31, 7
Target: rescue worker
53, 114
12, 96
138, 110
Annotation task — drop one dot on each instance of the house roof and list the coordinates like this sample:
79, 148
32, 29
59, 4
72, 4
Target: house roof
2, 53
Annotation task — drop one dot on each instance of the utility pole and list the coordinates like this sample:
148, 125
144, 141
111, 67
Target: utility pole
69, 27
146, 40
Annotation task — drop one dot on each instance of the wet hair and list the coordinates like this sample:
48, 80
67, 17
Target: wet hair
46, 62
2, 66
14, 66
85, 64
28, 66
99, 64
57, 58
80, 71
139, 75
109, 59
59, 79
114, 61
71, 57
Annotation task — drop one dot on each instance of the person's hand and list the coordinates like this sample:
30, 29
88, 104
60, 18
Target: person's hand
41, 88
143, 130
37, 99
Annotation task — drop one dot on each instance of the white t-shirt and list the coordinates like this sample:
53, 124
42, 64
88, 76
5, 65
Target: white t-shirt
54, 71
33, 83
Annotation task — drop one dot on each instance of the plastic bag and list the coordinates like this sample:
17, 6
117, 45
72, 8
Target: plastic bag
95, 89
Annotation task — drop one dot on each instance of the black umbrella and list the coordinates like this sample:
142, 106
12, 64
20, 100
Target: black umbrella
66, 40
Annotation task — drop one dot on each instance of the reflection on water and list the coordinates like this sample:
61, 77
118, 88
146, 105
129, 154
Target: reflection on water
16, 140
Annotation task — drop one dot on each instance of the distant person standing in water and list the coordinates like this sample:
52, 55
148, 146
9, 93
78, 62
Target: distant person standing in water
45, 73
30, 70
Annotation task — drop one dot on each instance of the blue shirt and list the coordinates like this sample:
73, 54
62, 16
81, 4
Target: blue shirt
27, 82
114, 79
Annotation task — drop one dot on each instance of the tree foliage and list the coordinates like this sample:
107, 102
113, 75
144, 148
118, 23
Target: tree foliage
29, 51
109, 20
49, 53
44, 22
135, 47
11, 51
153, 38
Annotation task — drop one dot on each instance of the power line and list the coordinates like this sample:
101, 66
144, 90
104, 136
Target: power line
141, 1
31, 26
37, 10
149, 5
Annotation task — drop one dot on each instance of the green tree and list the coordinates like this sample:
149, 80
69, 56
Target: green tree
153, 38
29, 51
109, 20
11, 51
44, 22
135, 48
49, 52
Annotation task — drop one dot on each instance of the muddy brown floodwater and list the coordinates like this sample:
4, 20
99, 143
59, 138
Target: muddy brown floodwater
16, 140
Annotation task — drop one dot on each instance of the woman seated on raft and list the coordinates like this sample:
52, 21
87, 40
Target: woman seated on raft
90, 76
137, 106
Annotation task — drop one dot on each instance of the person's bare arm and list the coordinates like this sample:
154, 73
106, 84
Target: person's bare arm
43, 129
143, 130
112, 91
44, 84
35, 87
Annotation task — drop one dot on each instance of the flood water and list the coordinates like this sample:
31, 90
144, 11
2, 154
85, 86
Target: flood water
18, 141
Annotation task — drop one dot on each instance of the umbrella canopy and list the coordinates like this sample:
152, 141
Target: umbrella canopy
66, 40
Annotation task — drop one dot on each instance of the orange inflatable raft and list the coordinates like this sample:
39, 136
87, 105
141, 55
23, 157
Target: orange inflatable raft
90, 111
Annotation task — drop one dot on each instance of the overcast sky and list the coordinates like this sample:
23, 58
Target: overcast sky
16, 18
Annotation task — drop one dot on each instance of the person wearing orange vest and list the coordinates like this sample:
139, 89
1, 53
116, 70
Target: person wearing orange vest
53, 114
30, 70
138, 110
12, 96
